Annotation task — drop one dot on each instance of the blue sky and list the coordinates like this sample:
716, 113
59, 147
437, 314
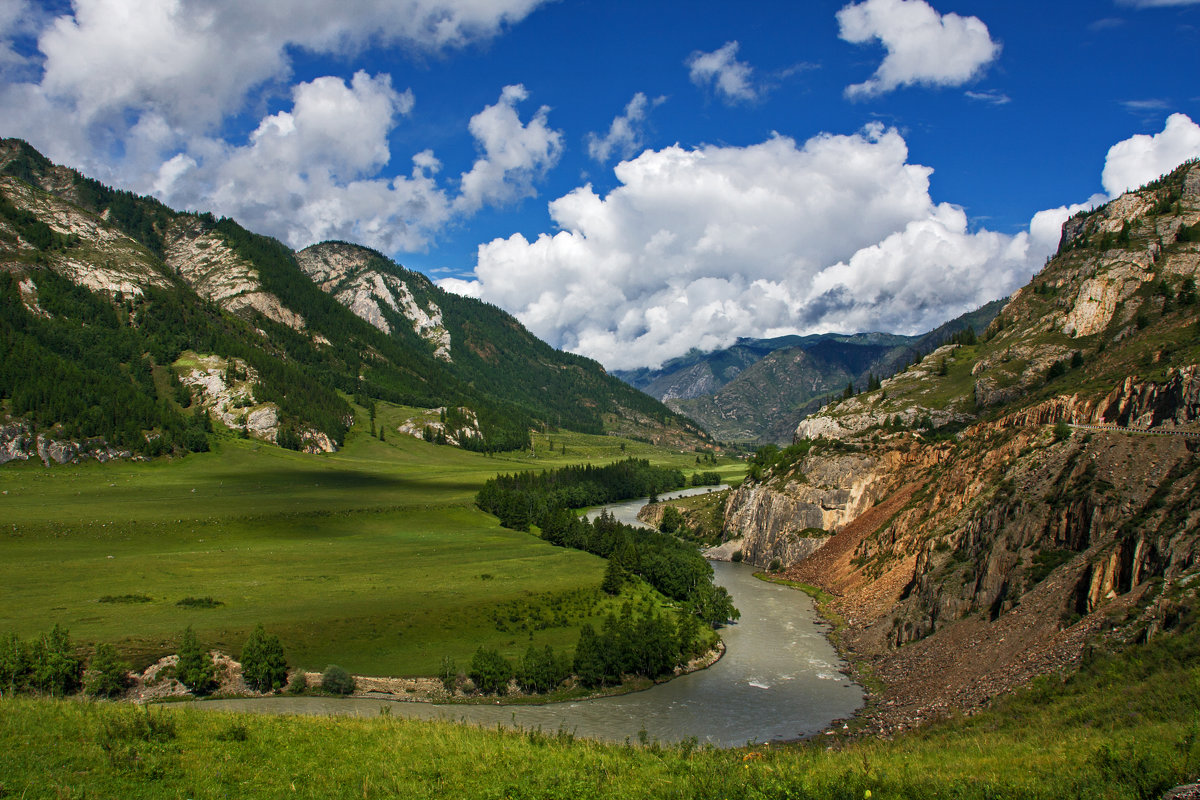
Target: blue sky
630, 179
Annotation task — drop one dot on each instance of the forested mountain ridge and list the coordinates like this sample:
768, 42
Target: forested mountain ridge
123, 317
1026, 497
757, 390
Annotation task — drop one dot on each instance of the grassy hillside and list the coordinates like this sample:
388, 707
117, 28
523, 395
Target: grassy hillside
373, 557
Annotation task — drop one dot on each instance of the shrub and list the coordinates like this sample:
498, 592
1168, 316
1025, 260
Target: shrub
195, 668
490, 671
336, 680
671, 520
1061, 431
736, 557
14, 664
199, 602
108, 676
775, 565
264, 667
297, 683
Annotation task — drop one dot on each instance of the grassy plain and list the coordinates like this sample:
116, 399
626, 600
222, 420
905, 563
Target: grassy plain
373, 557
1125, 727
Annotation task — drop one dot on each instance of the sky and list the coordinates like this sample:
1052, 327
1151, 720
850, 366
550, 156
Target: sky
630, 178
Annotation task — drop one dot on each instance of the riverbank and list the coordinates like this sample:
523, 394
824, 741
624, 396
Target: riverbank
155, 685
866, 721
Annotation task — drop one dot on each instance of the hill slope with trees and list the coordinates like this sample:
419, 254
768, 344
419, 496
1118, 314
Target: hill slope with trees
128, 328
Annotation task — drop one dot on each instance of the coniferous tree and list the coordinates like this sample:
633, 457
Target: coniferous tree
589, 659
614, 578
195, 668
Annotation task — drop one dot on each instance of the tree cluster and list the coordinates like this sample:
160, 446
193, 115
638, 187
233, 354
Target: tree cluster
527, 498
47, 664
646, 644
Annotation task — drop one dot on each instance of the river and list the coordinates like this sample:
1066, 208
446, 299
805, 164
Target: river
780, 679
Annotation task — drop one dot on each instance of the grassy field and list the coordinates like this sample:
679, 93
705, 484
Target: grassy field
373, 557
1125, 727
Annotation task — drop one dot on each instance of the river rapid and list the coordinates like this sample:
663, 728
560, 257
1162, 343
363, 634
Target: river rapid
780, 679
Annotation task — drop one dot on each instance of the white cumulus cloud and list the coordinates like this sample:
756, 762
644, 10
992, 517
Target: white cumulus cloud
304, 174
514, 153
732, 80
624, 137
119, 87
697, 247
923, 46
1142, 158
194, 61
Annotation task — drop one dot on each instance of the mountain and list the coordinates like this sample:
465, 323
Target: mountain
128, 328
1005, 508
758, 389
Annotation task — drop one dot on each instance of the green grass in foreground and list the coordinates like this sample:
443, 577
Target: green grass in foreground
373, 558
1126, 727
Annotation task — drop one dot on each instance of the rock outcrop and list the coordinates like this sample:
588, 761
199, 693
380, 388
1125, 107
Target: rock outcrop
225, 389
356, 277
443, 426
19, 443
202, 258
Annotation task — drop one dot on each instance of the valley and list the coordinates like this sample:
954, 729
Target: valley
373, 557
212, 431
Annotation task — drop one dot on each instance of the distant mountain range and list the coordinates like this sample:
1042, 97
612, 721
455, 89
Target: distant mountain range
123, 320
757, 390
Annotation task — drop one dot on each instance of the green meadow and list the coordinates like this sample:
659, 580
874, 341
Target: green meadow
1126, 727
373, 557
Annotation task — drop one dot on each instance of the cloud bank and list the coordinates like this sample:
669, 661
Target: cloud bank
698, 247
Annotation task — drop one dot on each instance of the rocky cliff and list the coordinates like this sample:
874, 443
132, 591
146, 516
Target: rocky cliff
368, 285
978, 538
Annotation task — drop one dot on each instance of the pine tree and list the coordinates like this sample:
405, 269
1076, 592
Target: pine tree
589, 658
614, 578
195, 668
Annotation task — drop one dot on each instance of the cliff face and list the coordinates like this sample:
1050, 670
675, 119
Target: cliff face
978, 542
369, 287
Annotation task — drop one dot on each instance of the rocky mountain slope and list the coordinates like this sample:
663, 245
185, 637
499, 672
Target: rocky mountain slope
121, 316
758, 389
1001, 508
